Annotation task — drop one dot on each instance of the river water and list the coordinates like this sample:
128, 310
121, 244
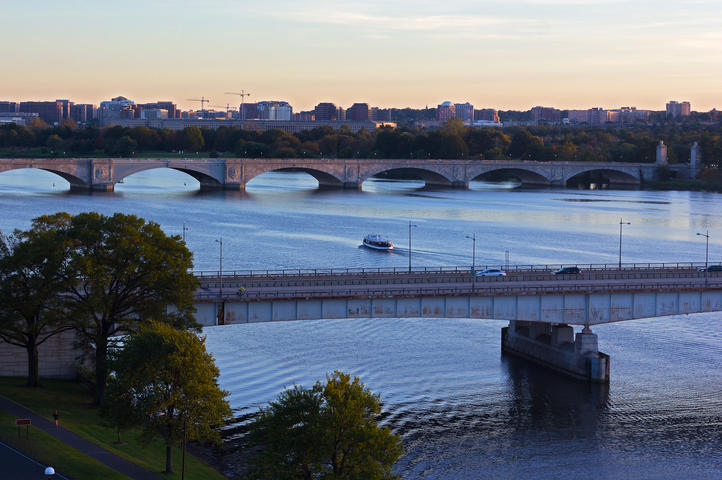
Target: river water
462, 409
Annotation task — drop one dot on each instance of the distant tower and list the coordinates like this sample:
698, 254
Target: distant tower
661, 153
695, 160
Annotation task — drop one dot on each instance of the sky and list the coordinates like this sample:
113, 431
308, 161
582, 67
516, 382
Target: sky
509, 54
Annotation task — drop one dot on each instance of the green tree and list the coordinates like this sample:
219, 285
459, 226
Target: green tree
32, 278
170, 381
328, 431
192, 139
123, 270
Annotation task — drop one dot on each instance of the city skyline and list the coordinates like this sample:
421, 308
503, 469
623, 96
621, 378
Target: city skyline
510, 55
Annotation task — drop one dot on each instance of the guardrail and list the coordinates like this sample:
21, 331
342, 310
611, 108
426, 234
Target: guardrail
715, 284
296, 272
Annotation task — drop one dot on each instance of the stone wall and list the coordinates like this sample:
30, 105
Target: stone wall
57, 358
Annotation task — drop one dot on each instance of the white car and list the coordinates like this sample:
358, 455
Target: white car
491, 272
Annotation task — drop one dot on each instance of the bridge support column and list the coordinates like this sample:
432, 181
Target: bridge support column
555, 347
352, 185
461, 184
103, 187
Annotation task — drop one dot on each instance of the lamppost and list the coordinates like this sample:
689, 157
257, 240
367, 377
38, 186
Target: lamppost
620, 240
473, 252
706, 249
410, 226
220, 264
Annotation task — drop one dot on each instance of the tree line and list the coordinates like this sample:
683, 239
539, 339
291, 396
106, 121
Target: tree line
451, 141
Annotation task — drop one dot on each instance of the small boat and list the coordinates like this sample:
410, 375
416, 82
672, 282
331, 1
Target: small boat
378, 242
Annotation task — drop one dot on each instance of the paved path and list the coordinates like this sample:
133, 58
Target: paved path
69, 438
15, 465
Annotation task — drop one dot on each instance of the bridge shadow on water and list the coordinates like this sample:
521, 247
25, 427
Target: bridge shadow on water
545, 399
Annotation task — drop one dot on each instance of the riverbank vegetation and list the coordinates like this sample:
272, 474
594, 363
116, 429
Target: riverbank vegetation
452, 141
77, 413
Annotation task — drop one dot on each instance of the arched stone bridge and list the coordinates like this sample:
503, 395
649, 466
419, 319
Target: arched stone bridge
234, 173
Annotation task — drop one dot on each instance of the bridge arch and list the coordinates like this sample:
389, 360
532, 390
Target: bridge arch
428, 175
613, 175
526, 176
324, 179
73, 180
206, 180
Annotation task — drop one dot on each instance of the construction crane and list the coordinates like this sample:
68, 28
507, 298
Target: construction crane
243, 95
203, 101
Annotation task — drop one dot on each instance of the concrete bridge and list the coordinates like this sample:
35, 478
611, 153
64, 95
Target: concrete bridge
234, 173
540, 307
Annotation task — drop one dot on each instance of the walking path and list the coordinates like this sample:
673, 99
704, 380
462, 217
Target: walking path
69, 438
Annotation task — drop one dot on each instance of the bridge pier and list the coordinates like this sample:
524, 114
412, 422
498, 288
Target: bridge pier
555, 346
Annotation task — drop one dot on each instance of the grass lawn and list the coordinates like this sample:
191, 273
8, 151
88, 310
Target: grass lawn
49, 451
77, 413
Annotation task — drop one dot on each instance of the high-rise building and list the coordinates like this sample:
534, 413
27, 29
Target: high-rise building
628, 115
274, 110
595, 117
50, 112
358, 111
325, 111
248, 111
445, 111
8, 107
82, 112
464, 112
678, 109
168, 106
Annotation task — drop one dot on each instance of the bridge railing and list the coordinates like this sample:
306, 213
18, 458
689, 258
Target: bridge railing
459, 290
461, 269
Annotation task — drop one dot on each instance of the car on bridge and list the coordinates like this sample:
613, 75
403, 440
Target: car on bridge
711, 268
567, 271
491, 272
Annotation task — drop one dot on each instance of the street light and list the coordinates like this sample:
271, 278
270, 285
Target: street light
220, 264
473, 252
410, 225
706, 249
620, 240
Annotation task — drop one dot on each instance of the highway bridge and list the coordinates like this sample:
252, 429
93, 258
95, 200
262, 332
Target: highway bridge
103, 174
540, 306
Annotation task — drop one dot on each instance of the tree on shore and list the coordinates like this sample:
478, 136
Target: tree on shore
33, 264
166, 377
122, 271
328, 431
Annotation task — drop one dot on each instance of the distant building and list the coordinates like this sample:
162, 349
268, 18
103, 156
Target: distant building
678, 109
257, 125
595, 117
170, 107
273, 110
545, 115
8, 107
487, 114
445, 111
50, 112
380, 114
307, 116
628, 116
358, 112
464, 112
341, 114
248, 111
18, 118
325, 112
82, 112
154, 113
115, 109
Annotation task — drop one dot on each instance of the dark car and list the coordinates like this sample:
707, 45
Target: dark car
567, 271
711, 268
